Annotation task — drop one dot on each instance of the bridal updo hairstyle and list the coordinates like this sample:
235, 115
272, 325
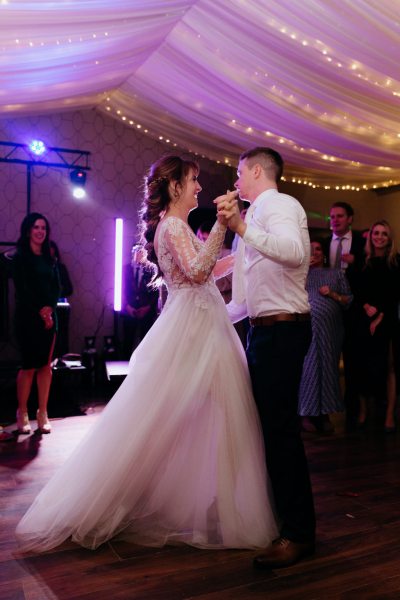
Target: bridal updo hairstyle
157, 197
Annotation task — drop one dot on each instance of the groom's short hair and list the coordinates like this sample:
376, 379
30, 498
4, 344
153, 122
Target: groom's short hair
270, 161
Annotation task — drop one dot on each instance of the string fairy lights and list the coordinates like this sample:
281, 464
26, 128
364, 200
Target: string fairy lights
315, 80
231, 161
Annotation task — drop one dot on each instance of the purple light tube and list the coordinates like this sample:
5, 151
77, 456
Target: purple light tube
119, 228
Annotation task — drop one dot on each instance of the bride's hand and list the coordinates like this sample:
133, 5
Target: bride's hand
225, 203
228, 209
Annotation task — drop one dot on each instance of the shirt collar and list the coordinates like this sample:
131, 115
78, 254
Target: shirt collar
346, 236
264, 194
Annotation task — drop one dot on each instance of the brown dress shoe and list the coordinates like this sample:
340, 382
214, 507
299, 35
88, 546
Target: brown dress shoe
283, 553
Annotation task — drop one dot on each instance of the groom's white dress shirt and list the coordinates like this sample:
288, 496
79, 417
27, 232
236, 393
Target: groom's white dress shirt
275, 262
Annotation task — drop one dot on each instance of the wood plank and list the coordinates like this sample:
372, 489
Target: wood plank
356, 482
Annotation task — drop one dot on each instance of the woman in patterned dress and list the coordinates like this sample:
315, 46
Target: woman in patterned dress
329, 293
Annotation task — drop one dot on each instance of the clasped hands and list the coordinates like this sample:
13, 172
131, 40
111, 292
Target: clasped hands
46, 314
228, 212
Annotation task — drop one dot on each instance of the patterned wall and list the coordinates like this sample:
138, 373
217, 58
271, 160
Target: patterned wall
84, 229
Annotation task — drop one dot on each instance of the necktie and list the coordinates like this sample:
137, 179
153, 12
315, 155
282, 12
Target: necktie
338, 256
238, 288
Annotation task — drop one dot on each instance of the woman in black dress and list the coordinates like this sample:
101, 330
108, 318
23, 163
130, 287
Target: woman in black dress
36, 283
378, 300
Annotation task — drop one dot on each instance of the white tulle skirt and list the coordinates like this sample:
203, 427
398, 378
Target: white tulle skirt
177, 454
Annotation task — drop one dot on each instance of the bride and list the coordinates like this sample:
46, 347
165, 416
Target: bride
177, 454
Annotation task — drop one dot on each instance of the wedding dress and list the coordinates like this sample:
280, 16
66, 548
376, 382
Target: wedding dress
177, 454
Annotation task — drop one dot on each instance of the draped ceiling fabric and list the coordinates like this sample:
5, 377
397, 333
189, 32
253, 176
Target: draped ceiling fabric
317, 79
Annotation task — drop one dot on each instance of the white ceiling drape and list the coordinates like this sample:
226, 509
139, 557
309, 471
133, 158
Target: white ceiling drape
318, 80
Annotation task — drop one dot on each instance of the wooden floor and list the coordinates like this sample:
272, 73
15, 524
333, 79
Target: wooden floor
356, 482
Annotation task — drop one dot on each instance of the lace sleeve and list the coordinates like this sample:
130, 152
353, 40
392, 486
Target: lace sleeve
195, 264
224, 266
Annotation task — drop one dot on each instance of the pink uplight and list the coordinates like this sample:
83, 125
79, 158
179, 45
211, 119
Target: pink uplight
119, 228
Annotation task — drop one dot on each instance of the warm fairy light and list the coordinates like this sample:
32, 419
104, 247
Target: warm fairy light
281, 140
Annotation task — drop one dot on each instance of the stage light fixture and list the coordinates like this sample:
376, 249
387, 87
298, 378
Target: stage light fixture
78, 178
37, 147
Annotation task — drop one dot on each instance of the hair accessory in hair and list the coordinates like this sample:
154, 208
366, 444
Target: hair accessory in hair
157, 180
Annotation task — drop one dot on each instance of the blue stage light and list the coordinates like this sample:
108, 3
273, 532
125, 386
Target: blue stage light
37, 147
78, 178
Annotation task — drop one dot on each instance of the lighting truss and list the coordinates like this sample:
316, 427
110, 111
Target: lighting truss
59, 158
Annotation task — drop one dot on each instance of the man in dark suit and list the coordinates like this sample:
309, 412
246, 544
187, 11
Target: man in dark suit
139, 307
345, 250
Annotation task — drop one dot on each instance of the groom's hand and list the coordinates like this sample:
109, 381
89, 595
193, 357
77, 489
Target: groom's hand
225, 202
228, 210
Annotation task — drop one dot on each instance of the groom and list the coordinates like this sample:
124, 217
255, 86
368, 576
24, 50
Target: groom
271, 266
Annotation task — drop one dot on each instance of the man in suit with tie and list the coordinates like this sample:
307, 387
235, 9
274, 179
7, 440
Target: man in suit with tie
345, 250
269, 278
139, 308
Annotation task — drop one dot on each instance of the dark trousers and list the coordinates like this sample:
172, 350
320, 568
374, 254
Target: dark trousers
275, 355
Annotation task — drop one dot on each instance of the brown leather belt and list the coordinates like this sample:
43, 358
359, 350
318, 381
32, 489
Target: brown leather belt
271, 319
